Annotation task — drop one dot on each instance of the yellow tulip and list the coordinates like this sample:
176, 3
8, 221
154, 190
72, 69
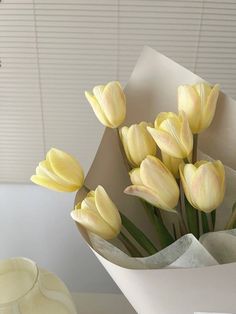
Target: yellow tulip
137, 143
199, 103
108, 103
98, 214
204, 184
154, 183
172, 134
60, 172
172, 163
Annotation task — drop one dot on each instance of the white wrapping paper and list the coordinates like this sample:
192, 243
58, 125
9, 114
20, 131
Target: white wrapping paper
189, 276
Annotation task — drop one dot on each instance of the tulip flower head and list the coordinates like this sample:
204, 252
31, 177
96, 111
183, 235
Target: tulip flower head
199, 103
137, 143
172, 134
108, 103
98, 214
60, 172
154, 183
204, 184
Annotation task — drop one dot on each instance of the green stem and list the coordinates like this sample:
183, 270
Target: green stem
182, 210
205, 225
134, 252
213, 218
164, 236
192, 218
138, 235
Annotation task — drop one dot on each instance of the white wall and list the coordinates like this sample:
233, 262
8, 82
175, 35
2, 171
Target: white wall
36, 223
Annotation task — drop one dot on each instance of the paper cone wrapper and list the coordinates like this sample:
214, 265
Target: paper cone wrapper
151, 89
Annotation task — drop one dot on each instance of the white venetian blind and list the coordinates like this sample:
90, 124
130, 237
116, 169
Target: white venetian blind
52, 50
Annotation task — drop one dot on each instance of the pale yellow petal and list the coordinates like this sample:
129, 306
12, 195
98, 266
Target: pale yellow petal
93, 222
52, 185
97, 92
155, 175
124, 138
107, 209
140, 143
203, 89
167, 143
184, 184
186, 136
206, 188
189, 171
44, 169
210, 108
189, 102
97, 109
113, 103
163, 116
89, 203
135, 176
147, 195
66, 167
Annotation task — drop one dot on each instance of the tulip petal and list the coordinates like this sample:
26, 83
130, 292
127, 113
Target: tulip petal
93, 222
66, 167
89, 203
185, 185
189, 102
44, 169
135, 176
163, 116
166, 143
186, 135
107, 209
203, 90
189, 172
98, 91
52, 185
140, 143
210, 107
148, 195
97, 109
156, 176
114, 103
206, 188
124, 138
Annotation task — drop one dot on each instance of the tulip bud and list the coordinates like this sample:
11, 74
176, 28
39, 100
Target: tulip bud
204, 184
60, 172
98, 214
154, 183
108, 103
137, 142
172, 134
172, 164
199, 103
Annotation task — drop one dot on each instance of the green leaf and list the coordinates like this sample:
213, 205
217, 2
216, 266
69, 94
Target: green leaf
138, 235
129, 245
164, 235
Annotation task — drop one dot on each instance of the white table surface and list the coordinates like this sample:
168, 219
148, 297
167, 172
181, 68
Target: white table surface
101, 303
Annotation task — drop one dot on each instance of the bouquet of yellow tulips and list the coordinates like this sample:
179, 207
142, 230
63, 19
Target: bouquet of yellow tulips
179, 191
